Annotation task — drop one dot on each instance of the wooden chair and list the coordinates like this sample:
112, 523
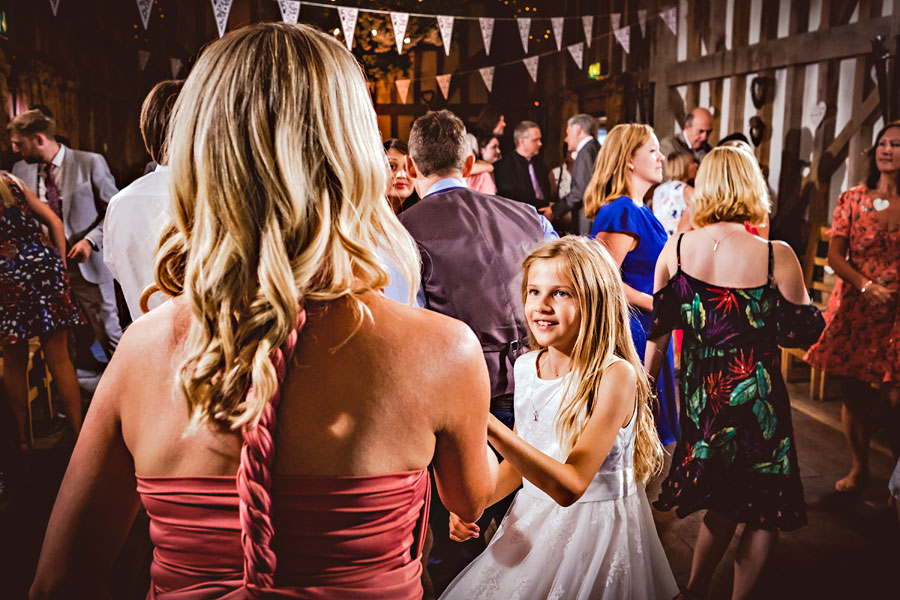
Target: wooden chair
820, 283
37, 380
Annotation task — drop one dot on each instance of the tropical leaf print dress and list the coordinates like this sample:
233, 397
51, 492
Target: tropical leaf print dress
736, 455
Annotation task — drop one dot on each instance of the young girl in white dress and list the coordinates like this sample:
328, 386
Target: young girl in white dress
583, 446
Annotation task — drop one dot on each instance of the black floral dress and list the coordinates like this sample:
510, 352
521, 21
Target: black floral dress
736, 455
34, 287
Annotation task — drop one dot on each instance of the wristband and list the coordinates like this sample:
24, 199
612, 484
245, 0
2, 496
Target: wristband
865, 286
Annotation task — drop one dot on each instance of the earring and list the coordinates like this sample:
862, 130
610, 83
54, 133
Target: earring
631, 167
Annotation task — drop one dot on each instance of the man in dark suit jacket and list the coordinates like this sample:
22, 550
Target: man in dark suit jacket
77, 186
521, 175
581, 139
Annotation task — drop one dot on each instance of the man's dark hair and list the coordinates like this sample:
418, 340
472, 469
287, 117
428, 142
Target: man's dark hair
437, 143
33, 122
155, 113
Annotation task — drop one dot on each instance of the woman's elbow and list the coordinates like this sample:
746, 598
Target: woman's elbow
567, 495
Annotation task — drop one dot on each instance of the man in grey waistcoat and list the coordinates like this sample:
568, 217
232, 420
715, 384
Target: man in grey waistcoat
77, 186
472, 247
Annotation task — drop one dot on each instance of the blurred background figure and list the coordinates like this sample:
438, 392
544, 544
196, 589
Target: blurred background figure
401, 193
672, 198
481, 176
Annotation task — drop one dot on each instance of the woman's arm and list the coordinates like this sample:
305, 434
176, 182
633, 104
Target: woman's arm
789, 275
619, 245
657, 348
508, 481
46, 216
566, 482
837, 260
95, 506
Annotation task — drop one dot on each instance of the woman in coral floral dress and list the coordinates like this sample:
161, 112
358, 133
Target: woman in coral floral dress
861, 342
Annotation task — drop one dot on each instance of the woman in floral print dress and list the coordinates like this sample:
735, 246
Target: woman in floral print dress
34, 299
862, 340
736, 458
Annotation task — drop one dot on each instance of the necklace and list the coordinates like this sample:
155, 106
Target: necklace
719, 241
535, 410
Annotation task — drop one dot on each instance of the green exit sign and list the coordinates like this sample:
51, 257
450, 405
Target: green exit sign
2, 22
594, 71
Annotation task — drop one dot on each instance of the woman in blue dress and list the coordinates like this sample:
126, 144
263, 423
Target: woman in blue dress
628, 165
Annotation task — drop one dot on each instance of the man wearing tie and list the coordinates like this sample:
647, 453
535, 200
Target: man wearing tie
521, 175
77, 186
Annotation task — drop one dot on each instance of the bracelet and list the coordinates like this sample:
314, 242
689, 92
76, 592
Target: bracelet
863, 289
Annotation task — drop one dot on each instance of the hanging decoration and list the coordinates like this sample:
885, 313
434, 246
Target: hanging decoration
445, 25
487, 75
54, 4
623, 36
402, 89
399, 21
444, 84
524, 31
670, 18
144, 7
577, 53
587, 22
348, 23
642, 21
487, 33
290, 10
143, 57
176, 64
557, 23
221, 8
531, 63
615, 21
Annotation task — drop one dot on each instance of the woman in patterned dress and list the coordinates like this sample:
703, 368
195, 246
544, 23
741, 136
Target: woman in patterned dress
34, 300
862, 340
736, 458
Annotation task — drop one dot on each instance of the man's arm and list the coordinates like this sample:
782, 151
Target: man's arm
104, 186
581, 176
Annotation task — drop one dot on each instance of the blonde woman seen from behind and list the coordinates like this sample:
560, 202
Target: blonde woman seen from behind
265, 394
737, 298
583, 447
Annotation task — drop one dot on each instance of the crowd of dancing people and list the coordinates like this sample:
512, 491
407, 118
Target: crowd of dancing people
297, 426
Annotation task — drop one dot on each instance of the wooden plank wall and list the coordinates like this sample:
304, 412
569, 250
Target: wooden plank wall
808, 51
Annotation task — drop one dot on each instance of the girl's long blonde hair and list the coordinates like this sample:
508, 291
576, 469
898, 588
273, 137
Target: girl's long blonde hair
610, 178
604, 332
277, 179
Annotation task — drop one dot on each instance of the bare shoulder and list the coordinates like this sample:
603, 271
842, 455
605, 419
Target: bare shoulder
620, 375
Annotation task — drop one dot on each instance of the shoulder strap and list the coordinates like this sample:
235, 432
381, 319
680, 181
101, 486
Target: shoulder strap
678, 249
254, 478
771, 274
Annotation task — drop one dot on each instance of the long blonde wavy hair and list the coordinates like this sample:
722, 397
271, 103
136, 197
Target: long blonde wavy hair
610, 177
277, 179
604, 332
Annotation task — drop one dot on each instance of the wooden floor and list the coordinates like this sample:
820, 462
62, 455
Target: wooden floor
850, 549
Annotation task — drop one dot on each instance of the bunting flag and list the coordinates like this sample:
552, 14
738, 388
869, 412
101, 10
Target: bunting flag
577, 53
587, 22
54, 4
445, 25
444, 84
487, 74
143, 57
487, 33
531, 63
615, 21
221, 8
290, 10
348, 23
175, 63
670, 17
557, 23
399, 21
402, 89
524, 31
623, 37
642, 21
144, 7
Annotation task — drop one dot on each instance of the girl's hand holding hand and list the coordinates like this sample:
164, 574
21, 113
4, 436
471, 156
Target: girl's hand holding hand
461, 531
877, 293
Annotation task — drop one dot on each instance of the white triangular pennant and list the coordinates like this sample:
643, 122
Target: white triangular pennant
144, 7
531, 63
444, 84
623, 36
587, 22
143, 57
670, 17
577, 52
175, 63
487, 75
615, 21
402, 89
348, 23
487, 33
445, 25
557, 23
290, 10
524, 30
221, 8
642, 21
54, 4
399, 21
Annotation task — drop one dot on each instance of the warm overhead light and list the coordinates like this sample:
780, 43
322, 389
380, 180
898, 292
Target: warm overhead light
374, 32
336, 31
406, 40
536, 103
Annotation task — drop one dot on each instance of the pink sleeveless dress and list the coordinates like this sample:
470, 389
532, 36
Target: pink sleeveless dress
259, 536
